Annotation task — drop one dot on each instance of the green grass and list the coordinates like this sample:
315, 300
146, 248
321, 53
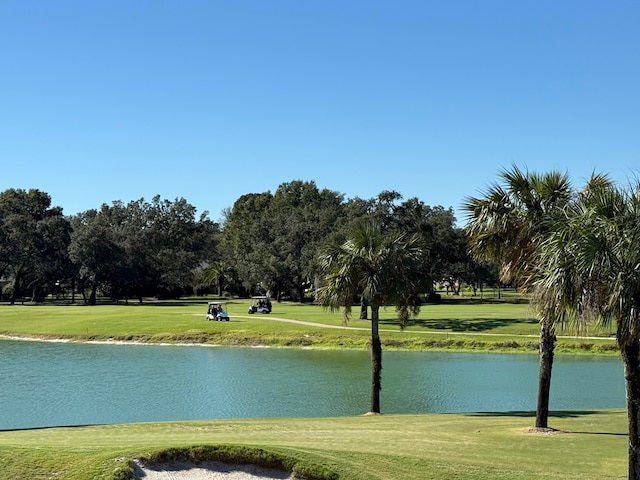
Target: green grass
586, 445
451, 326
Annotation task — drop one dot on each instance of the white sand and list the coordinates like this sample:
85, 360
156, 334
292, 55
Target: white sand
207, 471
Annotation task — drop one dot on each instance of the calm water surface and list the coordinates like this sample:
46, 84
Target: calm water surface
53, 384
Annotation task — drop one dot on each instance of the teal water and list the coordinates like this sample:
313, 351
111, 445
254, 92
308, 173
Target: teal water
53, 384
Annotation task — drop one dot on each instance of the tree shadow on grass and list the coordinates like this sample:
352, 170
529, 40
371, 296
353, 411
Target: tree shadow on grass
532, 414
557, 414
51, 427
466, 325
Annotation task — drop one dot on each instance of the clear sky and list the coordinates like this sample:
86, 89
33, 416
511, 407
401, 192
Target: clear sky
210, 100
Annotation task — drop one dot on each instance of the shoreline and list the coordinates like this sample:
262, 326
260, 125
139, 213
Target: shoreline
522, 349
19, 338
313, 335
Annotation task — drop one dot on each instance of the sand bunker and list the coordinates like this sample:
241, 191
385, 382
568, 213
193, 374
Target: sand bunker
207, 471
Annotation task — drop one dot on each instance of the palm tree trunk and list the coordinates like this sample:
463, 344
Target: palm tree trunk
631, 360
17, 279
363, 308
547, 345
92, 295
376, 360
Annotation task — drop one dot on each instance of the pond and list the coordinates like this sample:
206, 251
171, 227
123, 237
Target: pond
54, 384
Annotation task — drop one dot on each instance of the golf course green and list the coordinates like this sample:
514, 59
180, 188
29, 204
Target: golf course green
580, 445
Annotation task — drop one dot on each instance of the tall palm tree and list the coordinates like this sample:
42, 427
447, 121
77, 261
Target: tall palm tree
506, 225
597, 248
384, 270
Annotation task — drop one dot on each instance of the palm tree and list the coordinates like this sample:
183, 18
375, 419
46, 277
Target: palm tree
383, 269
218, 274
594, 258
506, 225
560, 289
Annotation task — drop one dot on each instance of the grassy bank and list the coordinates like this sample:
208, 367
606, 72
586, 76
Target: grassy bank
503, 327
586, 445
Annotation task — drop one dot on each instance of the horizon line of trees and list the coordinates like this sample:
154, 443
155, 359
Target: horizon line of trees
267, 243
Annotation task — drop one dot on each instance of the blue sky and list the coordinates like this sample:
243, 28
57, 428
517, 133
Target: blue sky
210, 100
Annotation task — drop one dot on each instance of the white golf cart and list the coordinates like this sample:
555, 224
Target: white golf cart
260, 304
218, 312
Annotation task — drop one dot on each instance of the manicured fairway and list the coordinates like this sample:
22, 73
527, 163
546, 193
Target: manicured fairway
587, 445
476, 326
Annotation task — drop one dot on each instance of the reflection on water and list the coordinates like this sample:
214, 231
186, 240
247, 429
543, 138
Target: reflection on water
45, 384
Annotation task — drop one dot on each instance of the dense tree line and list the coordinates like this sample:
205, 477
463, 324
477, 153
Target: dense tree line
267, 243
141, 249
121, 250
274, 241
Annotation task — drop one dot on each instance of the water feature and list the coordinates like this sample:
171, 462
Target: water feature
53, 384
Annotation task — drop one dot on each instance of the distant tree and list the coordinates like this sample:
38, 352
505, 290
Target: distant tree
480, 273
354, 210
33, 241
384, 269
97, 252
385, 209
445, 244
247, 237
176, 242
302, 217
273, 240
141, 248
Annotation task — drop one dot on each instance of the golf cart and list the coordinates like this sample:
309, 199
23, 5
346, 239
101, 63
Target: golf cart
260, 304
217, 312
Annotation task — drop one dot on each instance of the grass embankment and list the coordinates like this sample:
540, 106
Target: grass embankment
587, 445
463, 326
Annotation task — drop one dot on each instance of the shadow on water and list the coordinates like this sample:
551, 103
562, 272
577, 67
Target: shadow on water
466, 325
